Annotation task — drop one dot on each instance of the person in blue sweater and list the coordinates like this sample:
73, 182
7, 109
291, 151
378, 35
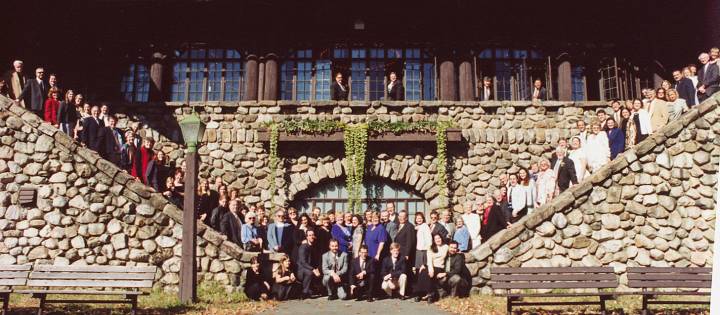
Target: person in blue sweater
342, 232
462, 235
616, 138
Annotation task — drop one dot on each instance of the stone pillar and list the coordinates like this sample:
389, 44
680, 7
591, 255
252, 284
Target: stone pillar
261, 80
271, 78
156, 78
564, 81
447, 80
465, 81
251, 78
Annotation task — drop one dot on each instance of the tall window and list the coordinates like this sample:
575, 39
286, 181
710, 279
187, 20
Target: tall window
201, 74
135, 86
358, 74
287, 74
375, 194
578, 83
609, 87
323, 77
512, 70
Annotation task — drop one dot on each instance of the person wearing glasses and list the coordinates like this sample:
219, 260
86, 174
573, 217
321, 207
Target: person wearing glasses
395, 89
34, 92
280, 234
339, 90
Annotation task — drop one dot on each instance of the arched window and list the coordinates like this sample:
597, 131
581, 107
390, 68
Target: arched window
135, 86
375, 193
201, 74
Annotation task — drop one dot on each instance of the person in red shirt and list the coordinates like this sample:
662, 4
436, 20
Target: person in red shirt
51, 107
142, 158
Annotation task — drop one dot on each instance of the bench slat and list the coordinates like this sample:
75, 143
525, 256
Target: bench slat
92, 276
87, 292
559, 277
90, 283
691, 270
13, 281
96, 269
13, 274
559, 270
15, 267
669, 284
673, 276
554, 285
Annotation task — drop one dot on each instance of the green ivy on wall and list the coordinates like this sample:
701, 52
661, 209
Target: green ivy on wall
355, 139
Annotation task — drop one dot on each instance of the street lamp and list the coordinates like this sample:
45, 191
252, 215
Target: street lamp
192, 130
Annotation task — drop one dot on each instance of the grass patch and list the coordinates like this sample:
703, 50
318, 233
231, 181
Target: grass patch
212, 299
489, 304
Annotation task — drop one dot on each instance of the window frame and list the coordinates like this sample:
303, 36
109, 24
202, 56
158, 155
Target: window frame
204, 68
132, 78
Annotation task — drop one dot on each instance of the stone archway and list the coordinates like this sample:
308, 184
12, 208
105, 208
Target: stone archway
418, 172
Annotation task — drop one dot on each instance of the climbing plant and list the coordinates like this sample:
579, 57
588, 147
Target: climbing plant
274, 135
355, 141
441, 155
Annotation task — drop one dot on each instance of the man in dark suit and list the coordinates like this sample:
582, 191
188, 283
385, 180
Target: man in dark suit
502, 202
708, 77
280, 234
406, 236
486, 90
684, 87
339, 90
395, 89
93, 130
35, 92
564, 169
231, 225
362, 276
394, 272
456, 278
537, 92
112, 143
307, 266
436, 227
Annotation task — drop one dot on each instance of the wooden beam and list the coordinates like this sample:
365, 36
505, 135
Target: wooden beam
453, 135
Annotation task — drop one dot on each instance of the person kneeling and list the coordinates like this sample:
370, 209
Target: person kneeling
393, 272
455, 280
429, 274
362, 276
256, 288
334, 268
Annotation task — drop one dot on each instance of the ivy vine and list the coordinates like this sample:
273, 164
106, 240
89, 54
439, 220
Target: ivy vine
274, 136
441, 141
355, 139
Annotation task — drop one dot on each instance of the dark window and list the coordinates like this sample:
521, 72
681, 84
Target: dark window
135, 85
201, 74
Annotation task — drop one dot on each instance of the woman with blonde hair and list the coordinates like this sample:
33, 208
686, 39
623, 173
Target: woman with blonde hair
676, 105
597, 148
545, 184
579, 158
285, 280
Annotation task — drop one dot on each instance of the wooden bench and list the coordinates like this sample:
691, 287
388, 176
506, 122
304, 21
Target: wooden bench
77, 281
11, 276
519, 283
26, 196
654, 279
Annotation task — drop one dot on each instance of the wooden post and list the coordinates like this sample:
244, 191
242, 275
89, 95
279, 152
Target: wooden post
251, 78
466, 81
261, 80
271, 78
564, 80
447, 80
188, 272
156, 78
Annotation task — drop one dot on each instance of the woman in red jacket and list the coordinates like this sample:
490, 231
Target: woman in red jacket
51, 107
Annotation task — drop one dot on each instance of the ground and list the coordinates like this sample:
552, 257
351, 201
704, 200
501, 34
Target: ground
322, 306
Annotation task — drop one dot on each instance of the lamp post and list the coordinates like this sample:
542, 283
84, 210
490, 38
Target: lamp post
192, 130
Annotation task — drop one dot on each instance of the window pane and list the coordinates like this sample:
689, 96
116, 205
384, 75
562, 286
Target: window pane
502, 53
502, 80
485, 54
394, 53
304, 53
578, 83
126, 85
304, 79
358, 53
357, 73
377, 53
197, 54
322, 80
215, 53
412, 53
286, 80
412, 80
178, 85
520, 54
340, 53
428, 81
196, 81
214, 81
233, 80
142, 83
233, 54
377, 76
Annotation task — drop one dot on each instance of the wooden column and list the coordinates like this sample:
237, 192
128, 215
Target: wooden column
251, 78
564, 80
261, 80
447, 80
271, 78
156, 78
188, 267
465, 81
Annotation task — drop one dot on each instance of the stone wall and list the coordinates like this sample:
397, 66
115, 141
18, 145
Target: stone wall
90, 213
652, 206
496, 136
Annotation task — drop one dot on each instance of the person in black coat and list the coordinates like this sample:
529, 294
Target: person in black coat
486, 90
308, 266
406, 236
436, 227
93, 130
339, 90
493, 219
34, 92
393, 272
566, 172
362, 276
537, 92
256, 287
218, 212
112, 143
231, 225
456, 279
67, 115
395, 89
708, 78
684, 87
